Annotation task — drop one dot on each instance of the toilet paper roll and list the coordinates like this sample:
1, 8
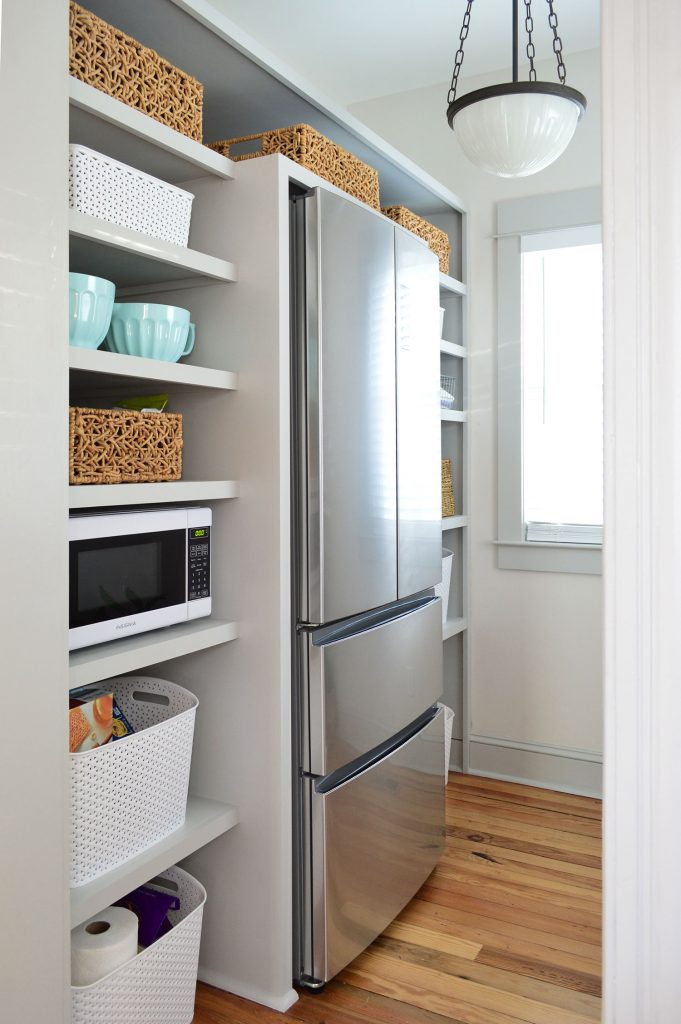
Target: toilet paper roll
98, 946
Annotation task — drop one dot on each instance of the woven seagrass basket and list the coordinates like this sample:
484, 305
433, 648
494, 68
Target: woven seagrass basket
310, 149
438, 241
106, 58
121, 446
448, 506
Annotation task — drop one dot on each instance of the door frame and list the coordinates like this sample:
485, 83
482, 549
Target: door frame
642, 565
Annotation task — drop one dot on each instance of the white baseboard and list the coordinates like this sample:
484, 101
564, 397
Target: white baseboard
281, 1003
566, 771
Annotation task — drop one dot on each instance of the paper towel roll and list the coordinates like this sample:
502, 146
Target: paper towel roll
98, 946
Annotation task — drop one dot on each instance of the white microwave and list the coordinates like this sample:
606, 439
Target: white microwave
130, 572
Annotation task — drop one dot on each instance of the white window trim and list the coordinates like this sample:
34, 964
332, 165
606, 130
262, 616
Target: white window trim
517, 218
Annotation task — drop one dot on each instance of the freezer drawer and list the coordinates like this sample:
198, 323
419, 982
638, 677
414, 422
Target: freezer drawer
372, 843
366, 679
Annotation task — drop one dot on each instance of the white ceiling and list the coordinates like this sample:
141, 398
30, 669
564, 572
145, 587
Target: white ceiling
360, 49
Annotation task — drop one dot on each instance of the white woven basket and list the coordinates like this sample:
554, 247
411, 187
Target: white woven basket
115, 192
159, 985
132, 792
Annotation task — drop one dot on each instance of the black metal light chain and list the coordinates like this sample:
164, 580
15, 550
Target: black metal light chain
557, 42
458, 59
529, 28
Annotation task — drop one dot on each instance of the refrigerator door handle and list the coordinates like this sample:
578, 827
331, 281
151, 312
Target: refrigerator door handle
335, 632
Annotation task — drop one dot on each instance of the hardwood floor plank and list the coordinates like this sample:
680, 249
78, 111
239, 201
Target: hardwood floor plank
544, 865
511, 789
498, 810
552, 926
499, 839
501, 935
505, 931
415, 979
430, 939
550, 991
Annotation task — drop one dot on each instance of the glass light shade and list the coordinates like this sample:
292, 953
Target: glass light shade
516, 134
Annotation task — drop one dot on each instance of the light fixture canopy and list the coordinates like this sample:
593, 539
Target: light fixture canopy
516, 128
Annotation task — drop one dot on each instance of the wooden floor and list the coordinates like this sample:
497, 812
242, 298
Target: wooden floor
506, 930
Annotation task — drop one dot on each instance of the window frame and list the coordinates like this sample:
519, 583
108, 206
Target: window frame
517, 218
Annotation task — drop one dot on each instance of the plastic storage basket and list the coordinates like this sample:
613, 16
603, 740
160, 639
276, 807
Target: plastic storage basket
129, 794
115, 192
159, 985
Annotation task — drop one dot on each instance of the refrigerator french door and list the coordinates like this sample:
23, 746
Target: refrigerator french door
368, 730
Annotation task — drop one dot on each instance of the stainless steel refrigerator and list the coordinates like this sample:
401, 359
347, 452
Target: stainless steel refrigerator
368, 730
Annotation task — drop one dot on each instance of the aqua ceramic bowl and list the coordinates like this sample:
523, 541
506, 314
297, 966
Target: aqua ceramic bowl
91, 300
151, 330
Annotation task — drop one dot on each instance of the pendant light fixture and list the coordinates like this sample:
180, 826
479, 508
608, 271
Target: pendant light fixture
517, 128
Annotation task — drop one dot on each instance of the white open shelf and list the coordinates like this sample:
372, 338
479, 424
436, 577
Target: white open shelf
450, 348
454, 523
134, 261
96, 495
111, 127
450, 284
111, 364
90, 664
205, 821
453, 416
453, 627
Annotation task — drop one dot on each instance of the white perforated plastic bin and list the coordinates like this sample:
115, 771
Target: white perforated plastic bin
159, 985
132, 792
115, 192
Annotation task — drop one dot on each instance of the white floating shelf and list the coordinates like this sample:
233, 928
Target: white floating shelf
453, 416
90, 664
110, 364
449, 348
135, 262
205, 821
95, 495
450, 284
454, 523
453, 627
109, 126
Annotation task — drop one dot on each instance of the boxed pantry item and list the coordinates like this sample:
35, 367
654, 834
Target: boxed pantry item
90, 721
109, 60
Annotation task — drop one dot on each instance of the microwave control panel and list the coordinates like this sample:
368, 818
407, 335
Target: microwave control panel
198, 563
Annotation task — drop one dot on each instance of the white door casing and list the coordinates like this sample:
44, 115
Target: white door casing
642, 241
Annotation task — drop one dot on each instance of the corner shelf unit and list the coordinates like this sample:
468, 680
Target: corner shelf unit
144, 266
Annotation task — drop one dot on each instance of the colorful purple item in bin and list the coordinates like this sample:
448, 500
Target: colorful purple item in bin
151, 907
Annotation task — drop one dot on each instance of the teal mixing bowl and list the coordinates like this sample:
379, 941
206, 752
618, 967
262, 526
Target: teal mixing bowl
91, 300
152, 330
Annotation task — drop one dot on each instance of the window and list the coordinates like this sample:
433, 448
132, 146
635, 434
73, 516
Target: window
550, 349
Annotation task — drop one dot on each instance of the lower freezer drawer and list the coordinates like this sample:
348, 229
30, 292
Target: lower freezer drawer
371, 844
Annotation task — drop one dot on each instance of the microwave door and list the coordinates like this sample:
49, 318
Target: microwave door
123, 580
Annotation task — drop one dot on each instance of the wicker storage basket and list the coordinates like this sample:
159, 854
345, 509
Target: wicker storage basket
120, 446
437, 239
132, 792
104, 57
158, 986
115, 192
313, 150
448, 506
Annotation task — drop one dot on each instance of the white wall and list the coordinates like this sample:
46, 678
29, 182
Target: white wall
535, 639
